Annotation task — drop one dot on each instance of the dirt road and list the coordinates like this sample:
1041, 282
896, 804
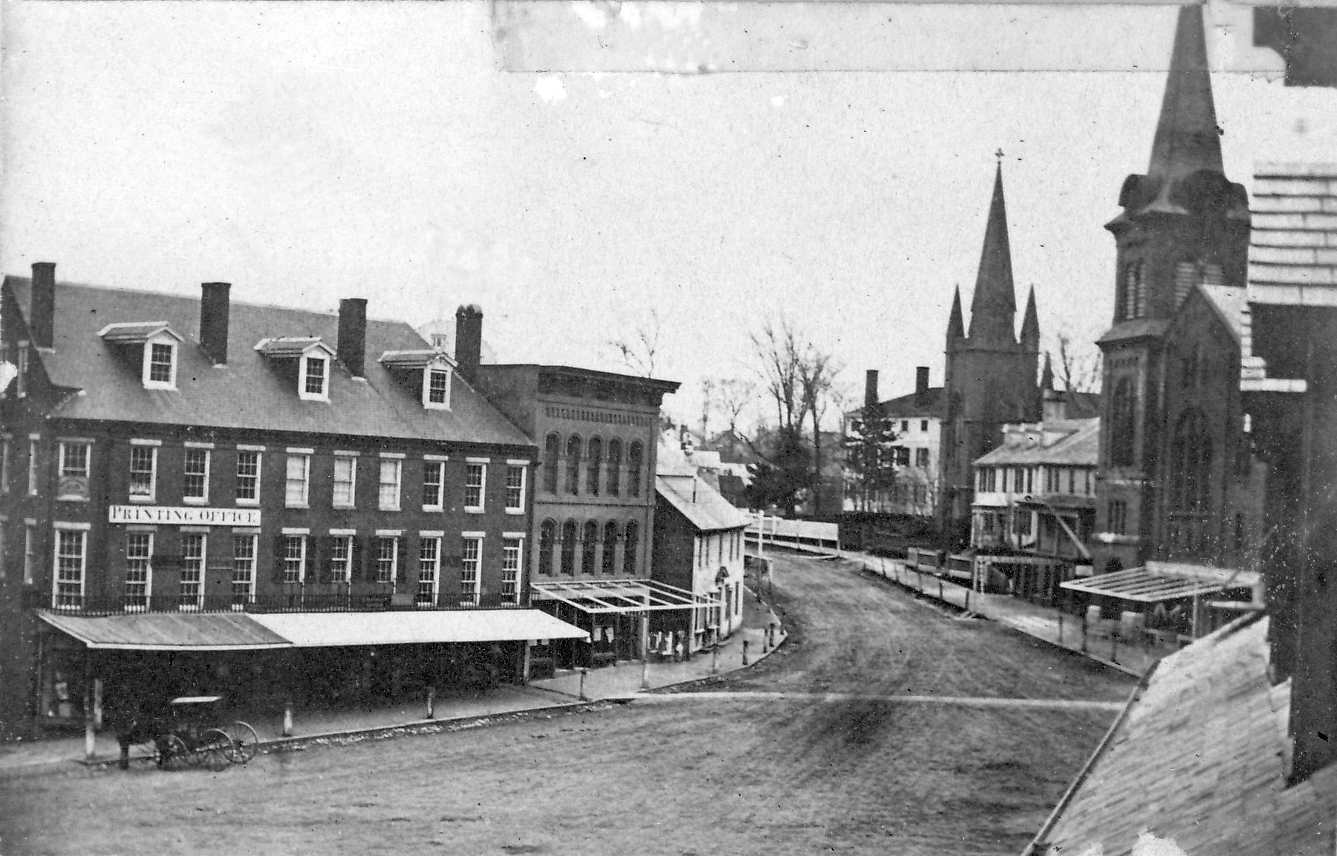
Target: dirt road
864, 734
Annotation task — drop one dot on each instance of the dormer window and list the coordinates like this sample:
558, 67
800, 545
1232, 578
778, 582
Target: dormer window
313, 359
426, 372
157, 346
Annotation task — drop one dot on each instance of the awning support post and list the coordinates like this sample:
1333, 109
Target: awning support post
90, 728
645, 650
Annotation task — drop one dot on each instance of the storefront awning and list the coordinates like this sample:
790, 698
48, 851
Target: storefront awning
1143, 586
168, 631
328, 629
620, 596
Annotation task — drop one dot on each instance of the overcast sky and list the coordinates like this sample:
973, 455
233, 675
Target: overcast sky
427, 155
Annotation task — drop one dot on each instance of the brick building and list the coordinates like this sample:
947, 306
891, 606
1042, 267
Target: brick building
206, 496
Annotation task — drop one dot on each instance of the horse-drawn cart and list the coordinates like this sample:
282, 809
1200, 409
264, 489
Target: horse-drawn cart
187, 732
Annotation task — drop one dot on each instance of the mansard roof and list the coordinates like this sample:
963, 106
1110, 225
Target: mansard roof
251, 391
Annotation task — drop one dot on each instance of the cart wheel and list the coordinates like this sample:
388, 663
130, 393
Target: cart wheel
173, 753
245, 740
215, 749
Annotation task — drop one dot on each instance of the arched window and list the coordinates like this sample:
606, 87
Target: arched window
610, 547
573, 464
569, 547
614, 467
1133, 294
552, 450
590, 543
547, 534
1123, 425
1187, 275
629, 548
634, 460
594, 454
1190, 462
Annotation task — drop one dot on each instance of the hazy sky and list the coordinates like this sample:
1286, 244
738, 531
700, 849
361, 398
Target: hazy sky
429, 154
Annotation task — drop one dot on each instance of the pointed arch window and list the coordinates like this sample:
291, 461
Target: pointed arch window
552, 449
1123, 423
569, 547
594, 454
589, 544
573, 465
614, 467
1190, 462
547, 535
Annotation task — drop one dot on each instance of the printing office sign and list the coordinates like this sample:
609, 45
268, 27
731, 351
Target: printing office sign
184, 516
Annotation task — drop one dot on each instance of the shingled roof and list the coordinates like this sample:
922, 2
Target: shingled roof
1200, 759
250, 392
1072, 442
702, 505
1293, 248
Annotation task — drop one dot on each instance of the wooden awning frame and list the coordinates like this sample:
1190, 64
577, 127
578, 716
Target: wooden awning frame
1142, 586
620, 596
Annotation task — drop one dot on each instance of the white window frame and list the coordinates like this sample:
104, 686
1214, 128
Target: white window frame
29, 552
34, 451
342, 575
6, 457
427, 373
438, 463
432, 566
475, 569
393, 540
79, 530
139, 446
512, 562
523, 467
288, 539
469, 465
63, 447
169, 342
148, 571
303, 372
194, 448
259, 467
197, 601
249, 581
350, 460
392, 464
305, 457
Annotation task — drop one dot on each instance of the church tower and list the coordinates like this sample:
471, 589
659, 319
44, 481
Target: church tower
1183, 223
991, 374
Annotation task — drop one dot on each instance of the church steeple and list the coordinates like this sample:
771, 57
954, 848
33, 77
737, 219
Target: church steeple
956, 328
993, 307
1187, 138
1047, 375
1030, 326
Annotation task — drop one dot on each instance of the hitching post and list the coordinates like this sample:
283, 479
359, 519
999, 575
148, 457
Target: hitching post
287, 718
431, 702
744, 652
584, 673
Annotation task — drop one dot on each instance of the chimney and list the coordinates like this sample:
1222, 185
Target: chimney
42, 308
468, 340
214, 307
352, 344
870, 388
921, 386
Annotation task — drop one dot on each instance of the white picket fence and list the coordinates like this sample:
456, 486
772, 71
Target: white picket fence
805, 535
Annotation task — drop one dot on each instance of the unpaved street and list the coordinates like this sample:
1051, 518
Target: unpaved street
864, 734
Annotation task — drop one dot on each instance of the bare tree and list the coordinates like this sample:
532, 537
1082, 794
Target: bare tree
638, 351
1076, 364
735, 394
708, 399
817, 371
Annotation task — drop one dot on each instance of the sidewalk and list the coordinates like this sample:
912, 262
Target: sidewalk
1100, 642
613, 682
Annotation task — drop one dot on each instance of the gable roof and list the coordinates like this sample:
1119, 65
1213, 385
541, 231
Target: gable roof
1200, 758
1079, 445
909, 406
701, 504
251, 391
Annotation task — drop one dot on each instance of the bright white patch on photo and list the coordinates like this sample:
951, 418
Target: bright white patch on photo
550, 88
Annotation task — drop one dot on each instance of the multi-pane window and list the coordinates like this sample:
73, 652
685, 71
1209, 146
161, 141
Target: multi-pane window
610, 544
388, 490
429, 566
629, 545
71, 548
512, 550
515, 487
921, 458
143, 472
1118, 516
34, 446
387, 557
294, 559
614, 467
138, 570
634, 461
551, 452
341, 558
73, 461
315, 371
192, 570
438, 387
475, 476
471, 559
160, 363
594, 454
547, 535
345, 480
433, 485
196, 484
573, 465
297, 480
243, 569
248, 475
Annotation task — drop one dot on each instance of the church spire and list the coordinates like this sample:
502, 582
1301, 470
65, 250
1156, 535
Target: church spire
956, 328
1187, 138
993, 307
1030, 325
1047, 375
